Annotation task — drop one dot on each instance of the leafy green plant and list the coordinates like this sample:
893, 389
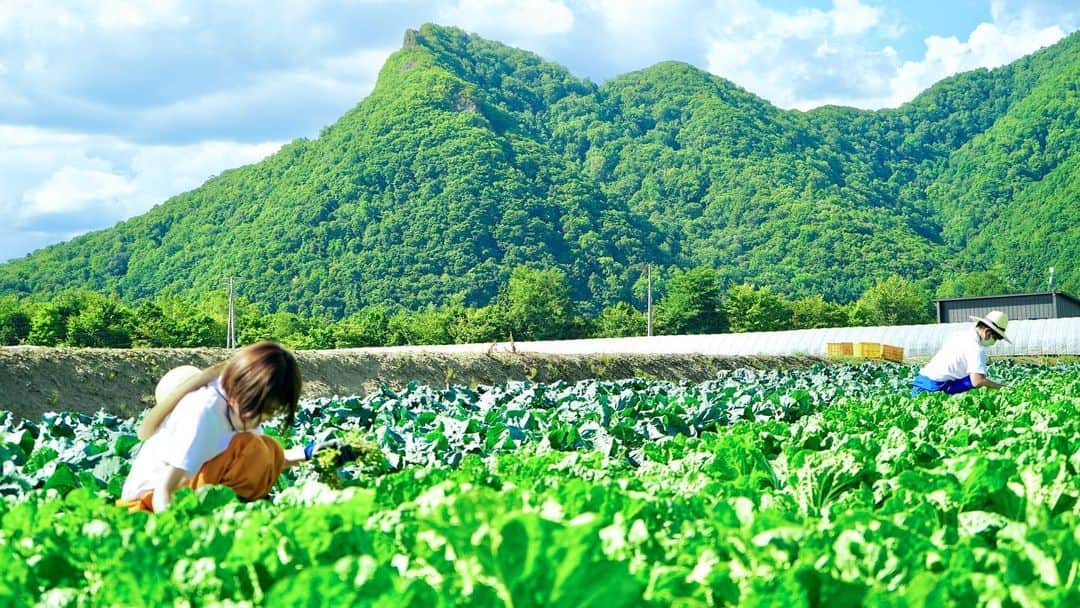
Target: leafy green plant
352, 448
823, 486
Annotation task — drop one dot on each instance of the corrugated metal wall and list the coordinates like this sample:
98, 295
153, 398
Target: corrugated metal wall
1067, 307
1019, 307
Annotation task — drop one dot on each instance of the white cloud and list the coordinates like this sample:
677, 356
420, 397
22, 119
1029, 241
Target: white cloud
137, 14
637, 33
808, 57
358, 68
162, 171
16, 242
990, 45
8, 12
802, 24
825, 49
517, 20
73, 189
122, 66
1037, 13
54, 185
640, 16
801, 59
851, 17
283, 104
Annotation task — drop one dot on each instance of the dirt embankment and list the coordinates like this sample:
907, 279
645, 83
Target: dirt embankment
34, 380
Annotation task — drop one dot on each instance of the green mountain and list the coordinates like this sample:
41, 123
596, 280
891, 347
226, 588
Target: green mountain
470, 158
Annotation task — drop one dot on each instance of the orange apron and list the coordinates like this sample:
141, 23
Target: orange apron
250, 466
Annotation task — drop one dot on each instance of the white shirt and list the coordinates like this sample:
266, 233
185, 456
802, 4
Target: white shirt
960, 356
192, 434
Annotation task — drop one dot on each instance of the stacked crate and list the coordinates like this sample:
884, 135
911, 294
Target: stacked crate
864, 350
868, 350
839, 349
892, 353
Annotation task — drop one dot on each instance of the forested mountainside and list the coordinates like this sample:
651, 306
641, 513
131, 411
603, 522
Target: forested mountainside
470, 158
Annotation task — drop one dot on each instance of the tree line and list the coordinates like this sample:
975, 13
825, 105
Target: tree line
535, 304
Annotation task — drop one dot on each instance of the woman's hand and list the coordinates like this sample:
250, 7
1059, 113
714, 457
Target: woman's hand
303, 453
166, 487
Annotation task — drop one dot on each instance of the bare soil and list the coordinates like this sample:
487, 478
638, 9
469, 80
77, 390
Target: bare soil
35, 380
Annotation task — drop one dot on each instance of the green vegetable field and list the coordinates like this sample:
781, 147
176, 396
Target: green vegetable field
826, 486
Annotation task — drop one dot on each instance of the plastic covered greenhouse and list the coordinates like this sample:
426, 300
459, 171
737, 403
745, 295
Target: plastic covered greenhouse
1031, 337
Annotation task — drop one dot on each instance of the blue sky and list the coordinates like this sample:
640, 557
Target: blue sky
109, 107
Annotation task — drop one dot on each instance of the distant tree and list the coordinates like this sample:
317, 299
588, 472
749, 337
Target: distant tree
283, 324
14, 321
977, 283
478, 325
430, 325
49, 320
537, 304
196, 328
290, 329
620, 320
254, 322
101, 322
209, 317
321, 336
175, 323
48, 325
151, 328
692, 304
814, 311
302, 341
750, 309
369, 327
893, 301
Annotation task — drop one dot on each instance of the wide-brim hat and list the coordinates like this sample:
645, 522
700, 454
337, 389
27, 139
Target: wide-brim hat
172, 387
997, 321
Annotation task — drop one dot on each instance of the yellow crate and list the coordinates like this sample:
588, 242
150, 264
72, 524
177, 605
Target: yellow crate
892, 353
838, 349
868, 350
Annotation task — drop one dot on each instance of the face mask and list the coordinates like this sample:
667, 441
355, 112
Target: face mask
987, 342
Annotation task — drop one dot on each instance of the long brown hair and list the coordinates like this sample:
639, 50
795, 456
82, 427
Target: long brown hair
263, 379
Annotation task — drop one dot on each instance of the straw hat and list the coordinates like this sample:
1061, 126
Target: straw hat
172, 387
997, 321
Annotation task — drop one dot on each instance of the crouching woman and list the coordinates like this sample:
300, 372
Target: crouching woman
206, 429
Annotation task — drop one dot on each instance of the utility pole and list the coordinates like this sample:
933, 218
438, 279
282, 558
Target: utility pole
1050, 281
230, 338
648, 300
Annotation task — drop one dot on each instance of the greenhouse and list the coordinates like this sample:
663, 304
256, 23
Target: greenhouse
1029, 337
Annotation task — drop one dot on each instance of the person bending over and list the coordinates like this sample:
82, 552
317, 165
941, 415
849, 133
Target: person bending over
960, 364
206, 429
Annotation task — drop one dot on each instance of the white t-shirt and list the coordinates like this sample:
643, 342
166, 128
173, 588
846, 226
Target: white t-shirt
959, 356
195, 432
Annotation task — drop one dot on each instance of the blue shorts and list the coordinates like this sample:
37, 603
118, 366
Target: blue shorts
923, 384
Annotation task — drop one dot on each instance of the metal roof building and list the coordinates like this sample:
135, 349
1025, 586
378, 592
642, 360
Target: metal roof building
1019, 306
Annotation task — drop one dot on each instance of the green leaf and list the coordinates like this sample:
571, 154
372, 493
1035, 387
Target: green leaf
62, 480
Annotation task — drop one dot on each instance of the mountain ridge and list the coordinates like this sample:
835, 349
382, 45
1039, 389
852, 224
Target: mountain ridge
470, 157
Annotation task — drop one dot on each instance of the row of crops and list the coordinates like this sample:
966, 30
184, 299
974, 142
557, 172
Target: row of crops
826, 486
